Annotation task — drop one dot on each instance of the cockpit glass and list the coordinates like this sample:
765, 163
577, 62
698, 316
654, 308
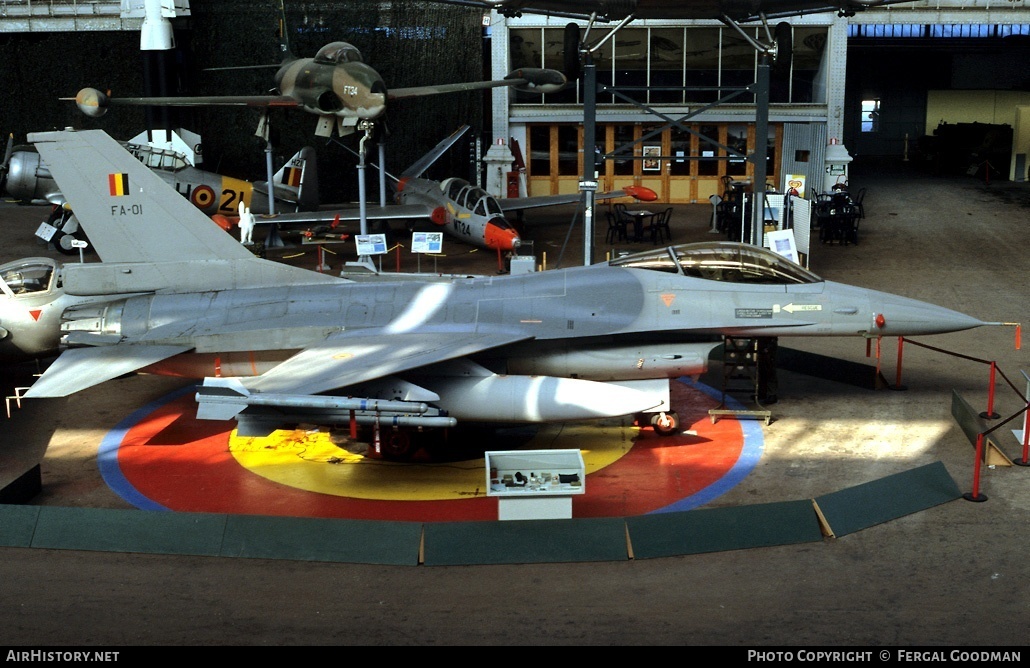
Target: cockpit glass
722, 261
338, 52
26, 277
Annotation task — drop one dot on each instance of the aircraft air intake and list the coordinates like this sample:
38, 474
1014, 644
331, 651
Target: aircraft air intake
329, 102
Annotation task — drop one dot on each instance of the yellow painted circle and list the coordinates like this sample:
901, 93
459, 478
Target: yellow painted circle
312, 461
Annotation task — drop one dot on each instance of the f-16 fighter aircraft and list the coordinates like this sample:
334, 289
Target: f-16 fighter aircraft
175, 295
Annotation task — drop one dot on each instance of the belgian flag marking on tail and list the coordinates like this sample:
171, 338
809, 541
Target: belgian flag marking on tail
119, 184
291, 177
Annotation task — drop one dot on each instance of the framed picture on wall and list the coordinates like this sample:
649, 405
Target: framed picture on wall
651, 161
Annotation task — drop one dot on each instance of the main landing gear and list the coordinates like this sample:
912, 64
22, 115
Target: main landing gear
67, 230
665, 424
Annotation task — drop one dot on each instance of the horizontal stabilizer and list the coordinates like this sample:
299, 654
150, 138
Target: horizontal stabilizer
79, 368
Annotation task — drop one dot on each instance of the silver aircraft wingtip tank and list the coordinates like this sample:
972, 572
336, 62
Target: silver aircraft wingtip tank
181, 297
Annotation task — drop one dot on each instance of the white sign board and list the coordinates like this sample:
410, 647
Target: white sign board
427, 242
782, 243
370, 244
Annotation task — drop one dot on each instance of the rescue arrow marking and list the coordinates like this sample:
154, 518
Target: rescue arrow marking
791, 308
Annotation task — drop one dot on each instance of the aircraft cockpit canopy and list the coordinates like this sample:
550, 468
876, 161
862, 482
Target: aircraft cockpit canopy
337, 53
27, 276
721, 261
466, 195
158, 158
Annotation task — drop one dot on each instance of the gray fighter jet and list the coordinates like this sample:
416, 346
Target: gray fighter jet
176, 295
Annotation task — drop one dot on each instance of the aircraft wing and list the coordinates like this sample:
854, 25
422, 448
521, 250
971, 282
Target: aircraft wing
205, 101
526, 78
80, 368
520, 203
392, 212
348, 359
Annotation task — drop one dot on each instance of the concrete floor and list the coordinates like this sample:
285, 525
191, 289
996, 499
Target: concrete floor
953, 575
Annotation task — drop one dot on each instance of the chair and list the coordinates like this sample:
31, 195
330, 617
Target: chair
660, 226
729, 215
727, 185
616, 228
857, 201
849, 224
621, 216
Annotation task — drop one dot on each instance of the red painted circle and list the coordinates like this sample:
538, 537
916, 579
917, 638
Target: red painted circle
185, 465
202, 196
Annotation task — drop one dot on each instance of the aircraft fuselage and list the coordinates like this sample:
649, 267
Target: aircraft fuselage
335, 82
581, 304
463, 210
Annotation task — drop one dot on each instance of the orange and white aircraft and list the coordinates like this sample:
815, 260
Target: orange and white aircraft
462, 210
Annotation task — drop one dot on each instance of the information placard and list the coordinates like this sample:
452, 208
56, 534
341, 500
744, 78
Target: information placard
371, 244
427, 242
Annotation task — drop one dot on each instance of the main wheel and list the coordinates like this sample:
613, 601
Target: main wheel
665, 424
396, 444
68, 230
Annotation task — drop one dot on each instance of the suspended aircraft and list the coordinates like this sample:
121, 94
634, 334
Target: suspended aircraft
462, 210
336, 85
273, 342
26, 178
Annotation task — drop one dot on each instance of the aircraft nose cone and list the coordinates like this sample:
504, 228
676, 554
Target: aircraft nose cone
909, 317
501, 238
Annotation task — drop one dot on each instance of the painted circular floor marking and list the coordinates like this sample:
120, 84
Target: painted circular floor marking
161, 457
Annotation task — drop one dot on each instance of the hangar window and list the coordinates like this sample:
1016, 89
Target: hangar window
870, 115
674, 65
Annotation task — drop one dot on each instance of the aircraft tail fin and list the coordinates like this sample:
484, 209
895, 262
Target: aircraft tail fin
296, 181
423, 163
284, 37
128, 211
